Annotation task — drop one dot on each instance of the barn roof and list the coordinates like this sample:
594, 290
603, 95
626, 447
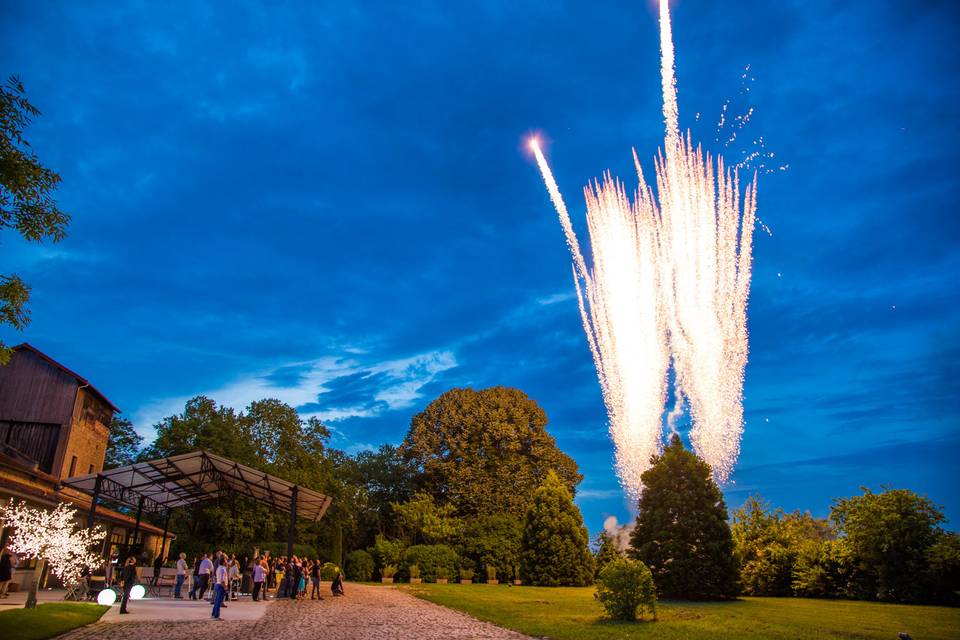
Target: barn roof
83, 382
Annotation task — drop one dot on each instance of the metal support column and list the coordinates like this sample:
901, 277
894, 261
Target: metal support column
166, 528
292, 531
93, 502
136, 527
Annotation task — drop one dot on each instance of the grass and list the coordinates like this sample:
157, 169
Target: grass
47, 620
568, 613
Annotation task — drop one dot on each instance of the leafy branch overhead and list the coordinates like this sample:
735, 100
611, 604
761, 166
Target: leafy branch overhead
26, 199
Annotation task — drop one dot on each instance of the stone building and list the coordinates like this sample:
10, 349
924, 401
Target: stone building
54, 425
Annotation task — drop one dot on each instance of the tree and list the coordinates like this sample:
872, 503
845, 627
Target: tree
386, 479
123, 444
53, 537
26, 200
607, 551
890, 534
484, 451
424, 522
681, 532
554, 546
494, 541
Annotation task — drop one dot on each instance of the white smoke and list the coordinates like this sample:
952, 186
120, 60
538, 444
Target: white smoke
618, 533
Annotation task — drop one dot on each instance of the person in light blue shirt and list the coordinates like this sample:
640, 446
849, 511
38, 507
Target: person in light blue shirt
221, 582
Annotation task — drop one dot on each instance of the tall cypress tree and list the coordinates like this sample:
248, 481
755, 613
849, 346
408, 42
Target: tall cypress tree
682, 533
555, 551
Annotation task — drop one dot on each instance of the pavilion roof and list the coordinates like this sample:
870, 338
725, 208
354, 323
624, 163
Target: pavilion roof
177, 481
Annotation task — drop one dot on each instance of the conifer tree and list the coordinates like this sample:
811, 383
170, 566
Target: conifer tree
607, 551
682, 533
555, 551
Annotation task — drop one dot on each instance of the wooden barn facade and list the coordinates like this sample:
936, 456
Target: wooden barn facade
54, 425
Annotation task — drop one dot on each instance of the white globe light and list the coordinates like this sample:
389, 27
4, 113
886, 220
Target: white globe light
107, 597
137, 592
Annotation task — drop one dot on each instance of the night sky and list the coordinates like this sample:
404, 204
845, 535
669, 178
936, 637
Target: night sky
331, 204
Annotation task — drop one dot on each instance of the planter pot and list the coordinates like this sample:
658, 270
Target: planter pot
518, 582
462, 581
386, 580
416, 580
441, 581
493, 581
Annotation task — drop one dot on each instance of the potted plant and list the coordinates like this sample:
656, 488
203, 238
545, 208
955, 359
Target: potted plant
442, 575
466, 576
492, 575
516, 575
414, 574
387, 573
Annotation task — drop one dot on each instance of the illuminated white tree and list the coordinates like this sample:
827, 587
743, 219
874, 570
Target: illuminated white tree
54, 537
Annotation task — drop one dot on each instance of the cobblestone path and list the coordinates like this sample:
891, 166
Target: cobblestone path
366, 613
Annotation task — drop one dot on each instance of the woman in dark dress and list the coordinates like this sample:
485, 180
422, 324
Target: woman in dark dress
6, 570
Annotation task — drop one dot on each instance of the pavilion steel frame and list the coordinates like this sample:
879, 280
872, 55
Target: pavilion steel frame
158, 486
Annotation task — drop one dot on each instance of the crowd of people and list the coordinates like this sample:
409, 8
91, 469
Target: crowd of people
221, 578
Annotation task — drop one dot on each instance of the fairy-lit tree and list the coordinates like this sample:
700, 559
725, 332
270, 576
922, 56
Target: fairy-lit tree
53, 537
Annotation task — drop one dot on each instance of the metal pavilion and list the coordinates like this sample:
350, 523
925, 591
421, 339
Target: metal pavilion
158, 486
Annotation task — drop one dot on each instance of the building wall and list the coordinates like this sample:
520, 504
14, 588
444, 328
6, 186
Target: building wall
89, 432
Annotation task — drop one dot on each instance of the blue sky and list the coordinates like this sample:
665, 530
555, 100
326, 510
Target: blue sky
331, 204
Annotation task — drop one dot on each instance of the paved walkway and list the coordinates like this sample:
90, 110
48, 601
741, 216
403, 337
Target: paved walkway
366, 613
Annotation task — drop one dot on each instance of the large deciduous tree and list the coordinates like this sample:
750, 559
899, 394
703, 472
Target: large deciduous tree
555, 541
26, 199
890, 535
485, 451
682, 533
123, 445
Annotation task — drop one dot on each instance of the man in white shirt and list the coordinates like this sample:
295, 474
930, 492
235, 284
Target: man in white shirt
206, 568
221, 582
181, 575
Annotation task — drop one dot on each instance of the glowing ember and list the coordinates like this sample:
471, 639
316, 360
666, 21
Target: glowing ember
670, 276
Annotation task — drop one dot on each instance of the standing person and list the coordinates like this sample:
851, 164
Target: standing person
206, 571
128, 577
315, 580
233, 571
195, 579
181, 575
157, 566
259, 573
6, 570
221, 582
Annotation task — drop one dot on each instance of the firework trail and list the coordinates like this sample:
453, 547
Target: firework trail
668, 284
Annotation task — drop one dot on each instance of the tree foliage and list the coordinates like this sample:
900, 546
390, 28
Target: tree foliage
431, 559
606, 551
484, 451
123, 445
555, 543
681, 532
26, 198
625, 587
421, 520
890, 534
360, 566
494, 541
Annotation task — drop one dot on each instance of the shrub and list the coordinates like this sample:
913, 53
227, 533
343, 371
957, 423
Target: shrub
466, 574
624, 586
429, 558
388, 571
388, 551
442, 573
360, 566
491, 573
414, 571
329, 571
493, 540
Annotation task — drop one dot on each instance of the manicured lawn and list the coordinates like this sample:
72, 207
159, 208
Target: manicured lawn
572, 614
47, 620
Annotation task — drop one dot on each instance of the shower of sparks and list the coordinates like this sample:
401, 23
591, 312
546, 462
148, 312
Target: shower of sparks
668, 284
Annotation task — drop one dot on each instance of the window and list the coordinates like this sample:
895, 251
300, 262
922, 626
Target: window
32, 442
90, 470
73, 467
